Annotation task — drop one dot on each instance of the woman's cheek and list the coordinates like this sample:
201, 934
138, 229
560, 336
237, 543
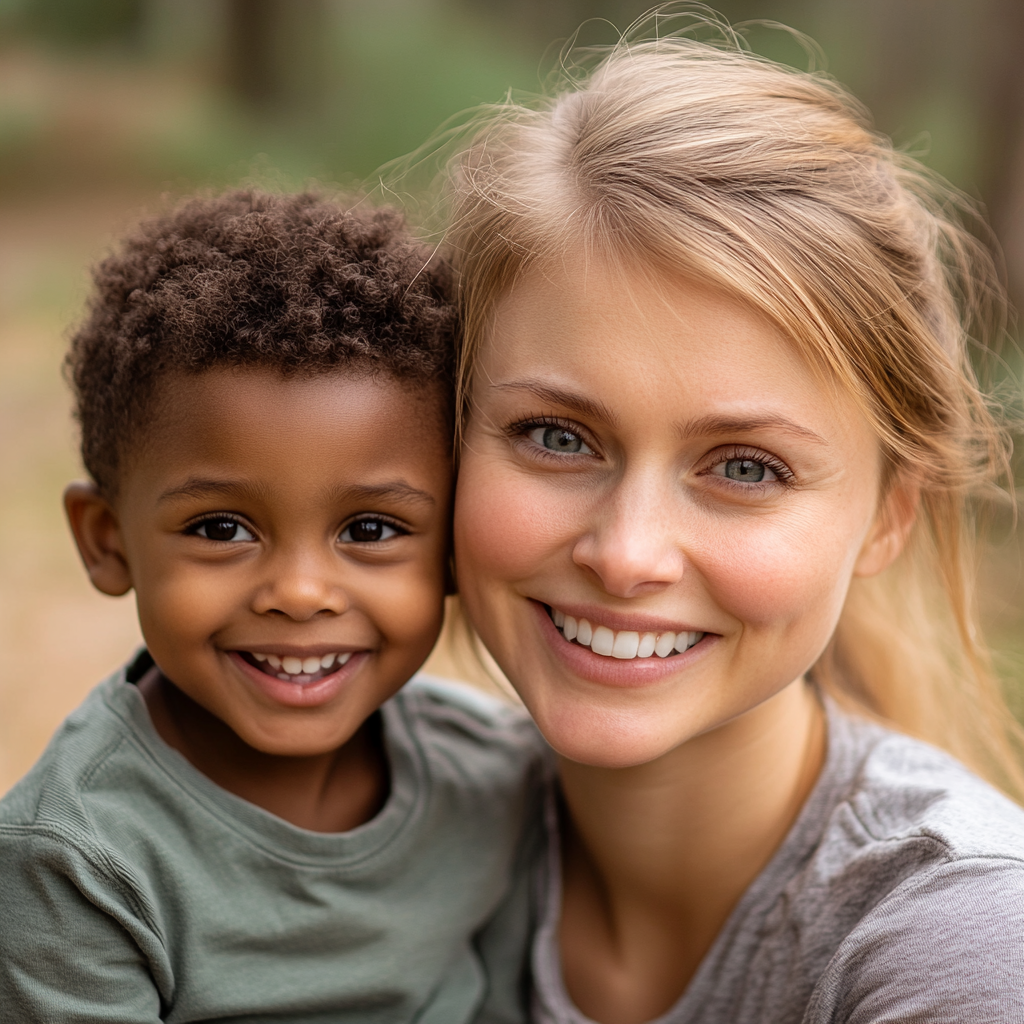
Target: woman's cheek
777, 575
506, 524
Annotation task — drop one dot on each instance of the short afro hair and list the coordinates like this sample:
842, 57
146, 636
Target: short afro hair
297, 283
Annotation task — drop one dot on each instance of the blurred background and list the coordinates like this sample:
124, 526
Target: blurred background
110, 108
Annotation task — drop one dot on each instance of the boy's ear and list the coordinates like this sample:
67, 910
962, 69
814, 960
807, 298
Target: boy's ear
896, 516
98, 536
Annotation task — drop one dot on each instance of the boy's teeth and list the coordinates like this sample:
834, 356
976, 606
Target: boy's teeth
625, 644
303, 670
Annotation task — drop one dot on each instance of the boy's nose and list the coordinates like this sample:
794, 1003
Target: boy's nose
301, 588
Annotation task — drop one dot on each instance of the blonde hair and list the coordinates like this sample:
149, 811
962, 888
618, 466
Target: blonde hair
704, 159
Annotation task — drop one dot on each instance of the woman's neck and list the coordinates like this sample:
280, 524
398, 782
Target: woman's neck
657, 856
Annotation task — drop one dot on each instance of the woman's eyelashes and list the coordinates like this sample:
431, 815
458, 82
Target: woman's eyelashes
222, 529
370, 530
749, 467
551, 438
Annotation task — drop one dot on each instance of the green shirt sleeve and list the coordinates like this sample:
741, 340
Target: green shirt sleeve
75, 946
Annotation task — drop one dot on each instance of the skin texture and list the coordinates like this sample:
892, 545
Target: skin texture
298, 464
681, 775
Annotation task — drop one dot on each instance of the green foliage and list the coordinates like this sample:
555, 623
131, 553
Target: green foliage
81, 22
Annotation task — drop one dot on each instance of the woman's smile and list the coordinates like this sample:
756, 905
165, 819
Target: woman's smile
659, 508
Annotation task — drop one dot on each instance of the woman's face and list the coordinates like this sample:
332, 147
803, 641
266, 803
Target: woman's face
650, 464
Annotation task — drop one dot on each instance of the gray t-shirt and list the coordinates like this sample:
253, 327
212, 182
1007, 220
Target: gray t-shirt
133, 889
898, 896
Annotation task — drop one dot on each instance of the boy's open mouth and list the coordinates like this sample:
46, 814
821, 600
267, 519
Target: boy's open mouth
296, 670
624, 644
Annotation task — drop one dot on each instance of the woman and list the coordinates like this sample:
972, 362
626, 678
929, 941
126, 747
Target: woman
720, 445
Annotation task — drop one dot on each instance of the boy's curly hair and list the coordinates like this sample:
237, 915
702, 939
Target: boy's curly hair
297, 283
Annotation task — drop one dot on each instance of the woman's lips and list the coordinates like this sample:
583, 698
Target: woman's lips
623, 668
305, 690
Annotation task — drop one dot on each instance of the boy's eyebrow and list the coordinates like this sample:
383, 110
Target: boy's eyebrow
587, 407
395, 490
201, 487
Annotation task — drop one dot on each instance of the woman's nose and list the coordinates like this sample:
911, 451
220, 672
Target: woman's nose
634, 543
301, 586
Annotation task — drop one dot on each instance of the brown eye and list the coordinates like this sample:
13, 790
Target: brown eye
368, 531
223, 530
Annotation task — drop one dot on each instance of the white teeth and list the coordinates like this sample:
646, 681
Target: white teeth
625, 644
666, 645
603, 641
301, 670
684, 640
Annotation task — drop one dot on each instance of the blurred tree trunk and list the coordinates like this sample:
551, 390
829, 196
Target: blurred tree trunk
277, 52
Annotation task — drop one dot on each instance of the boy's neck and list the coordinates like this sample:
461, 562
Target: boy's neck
331, 792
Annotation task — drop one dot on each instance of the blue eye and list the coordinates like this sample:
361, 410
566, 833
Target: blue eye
229, 530
560, 440
746, 471
368, 531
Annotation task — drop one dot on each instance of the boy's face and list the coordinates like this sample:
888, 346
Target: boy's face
286, 539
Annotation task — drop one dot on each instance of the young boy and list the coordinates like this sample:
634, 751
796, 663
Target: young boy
249, 821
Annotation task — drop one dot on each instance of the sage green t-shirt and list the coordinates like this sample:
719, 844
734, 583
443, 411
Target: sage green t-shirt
133, 889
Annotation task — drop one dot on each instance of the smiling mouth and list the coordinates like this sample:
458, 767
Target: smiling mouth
291, 669
624, 644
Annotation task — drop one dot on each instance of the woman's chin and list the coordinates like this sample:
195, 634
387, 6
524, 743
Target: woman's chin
603, 738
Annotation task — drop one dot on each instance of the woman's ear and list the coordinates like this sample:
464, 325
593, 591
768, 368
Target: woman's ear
98, 536
896, 516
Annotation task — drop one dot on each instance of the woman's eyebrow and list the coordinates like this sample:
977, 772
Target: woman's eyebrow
587, 407
713, 424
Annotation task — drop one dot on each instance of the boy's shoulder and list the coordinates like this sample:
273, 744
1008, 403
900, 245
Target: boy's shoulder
101, 729
449, 706
465, 735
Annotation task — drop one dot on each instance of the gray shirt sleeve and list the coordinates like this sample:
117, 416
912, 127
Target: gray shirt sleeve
946, 946
71, 945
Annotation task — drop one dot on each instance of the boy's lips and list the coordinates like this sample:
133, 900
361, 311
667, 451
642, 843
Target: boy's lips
308, 684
